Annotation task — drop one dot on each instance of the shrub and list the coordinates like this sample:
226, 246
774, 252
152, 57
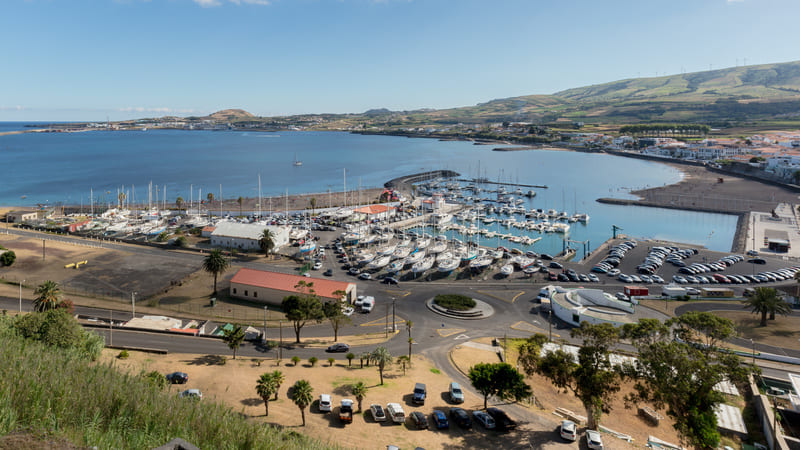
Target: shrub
313, 360
162, 237
181, 242
454, 301
155, 378
295, 360
123, 354
7, 258
331, 360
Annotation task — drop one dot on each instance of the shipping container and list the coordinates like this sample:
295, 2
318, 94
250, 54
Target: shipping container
636, 291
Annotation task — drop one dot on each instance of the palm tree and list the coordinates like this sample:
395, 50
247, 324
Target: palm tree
302, 396
210, 198
313, 203
267, 241
767, 301
409, 326
48, 296
240, 200
382, 358
265, 388
404, 362
121, 198
279, 378
359, 392
233, 337
179, 202
215, 263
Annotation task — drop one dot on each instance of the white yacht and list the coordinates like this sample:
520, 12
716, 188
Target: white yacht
437, 247
448, 265
423, 265
378, 263
507, 270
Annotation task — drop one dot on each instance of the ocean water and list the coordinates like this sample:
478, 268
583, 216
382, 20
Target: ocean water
52, 168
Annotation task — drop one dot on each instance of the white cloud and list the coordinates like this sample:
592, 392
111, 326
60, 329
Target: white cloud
207, 3
251, 2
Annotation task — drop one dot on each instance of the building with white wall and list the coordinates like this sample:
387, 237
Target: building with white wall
245, 236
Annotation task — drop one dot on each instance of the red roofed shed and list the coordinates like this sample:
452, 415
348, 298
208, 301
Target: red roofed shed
271, 287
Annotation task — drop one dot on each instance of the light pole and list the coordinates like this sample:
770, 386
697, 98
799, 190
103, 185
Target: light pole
20, 296
280, 345
265, 325
394, 327
133, 305
754, 351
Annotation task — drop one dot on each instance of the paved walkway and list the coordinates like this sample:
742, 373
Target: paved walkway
786, 221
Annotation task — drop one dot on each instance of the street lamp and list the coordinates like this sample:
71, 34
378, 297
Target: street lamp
20, 296
394, 327
133, 305
754, 351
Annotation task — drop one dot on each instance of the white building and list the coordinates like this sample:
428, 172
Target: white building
245, 236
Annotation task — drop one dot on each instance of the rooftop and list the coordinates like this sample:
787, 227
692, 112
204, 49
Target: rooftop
287, 282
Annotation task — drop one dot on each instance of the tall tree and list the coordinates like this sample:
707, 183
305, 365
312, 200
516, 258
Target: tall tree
382, 358
301, 309
210, 198
215, 264
404, 362
179, 202
233, 337
498, 379
48, 296
267, 241
359, 392
279, 378
313, 203
121, 198
590, 376
767, 301
302, 396
240, 201
334, 312
679, 371
266, 388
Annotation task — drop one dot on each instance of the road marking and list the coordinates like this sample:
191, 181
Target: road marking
380, 322
445, 332
400, 294
501, 298
461, 336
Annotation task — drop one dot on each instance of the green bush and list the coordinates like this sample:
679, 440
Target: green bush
181, 242
313, 360
162, 237
454, 301
156, 378
295, 360
123, 354
7, 258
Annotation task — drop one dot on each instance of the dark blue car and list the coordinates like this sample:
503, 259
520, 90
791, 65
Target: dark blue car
440, 420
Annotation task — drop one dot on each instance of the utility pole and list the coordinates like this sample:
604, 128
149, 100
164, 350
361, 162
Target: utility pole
20, 296
43, 249
394, 324
550, 319
386, 331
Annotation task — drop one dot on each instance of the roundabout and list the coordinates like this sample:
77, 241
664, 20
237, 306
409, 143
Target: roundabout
481, 310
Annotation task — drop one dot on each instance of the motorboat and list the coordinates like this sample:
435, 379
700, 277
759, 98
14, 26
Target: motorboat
507, 270
308, 246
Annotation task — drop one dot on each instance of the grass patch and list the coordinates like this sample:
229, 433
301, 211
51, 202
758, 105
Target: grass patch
454, 301
436, 371
55, 392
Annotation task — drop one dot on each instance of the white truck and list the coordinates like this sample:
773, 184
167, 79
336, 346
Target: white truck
672, 290
396, 412
367, 304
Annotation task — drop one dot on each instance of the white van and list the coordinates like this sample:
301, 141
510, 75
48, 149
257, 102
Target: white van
367, 304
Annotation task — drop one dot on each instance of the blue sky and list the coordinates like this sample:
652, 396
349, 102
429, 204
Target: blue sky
92, 59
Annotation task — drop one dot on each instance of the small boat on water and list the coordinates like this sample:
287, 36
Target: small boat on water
297, 162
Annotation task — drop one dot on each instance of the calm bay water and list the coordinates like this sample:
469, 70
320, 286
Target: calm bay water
62, 167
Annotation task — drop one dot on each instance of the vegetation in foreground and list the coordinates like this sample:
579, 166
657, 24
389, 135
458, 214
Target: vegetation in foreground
57, 392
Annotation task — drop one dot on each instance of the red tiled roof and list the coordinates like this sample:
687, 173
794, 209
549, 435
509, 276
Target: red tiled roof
286, 282
209, 228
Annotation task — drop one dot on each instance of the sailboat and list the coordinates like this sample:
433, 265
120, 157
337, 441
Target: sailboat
297, 162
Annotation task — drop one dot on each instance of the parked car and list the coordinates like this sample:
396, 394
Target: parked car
177, 378
484, 419
420, 392
390, 280
501, 419
556, 265
461, 418
328, 273
569, 430
339, 347
192, 393
456, 395
593, 440
419, 420
365, 276
396, 412
317, 265
354, 271
757, 261
325, 403
440, 420
348, 311
378, 415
